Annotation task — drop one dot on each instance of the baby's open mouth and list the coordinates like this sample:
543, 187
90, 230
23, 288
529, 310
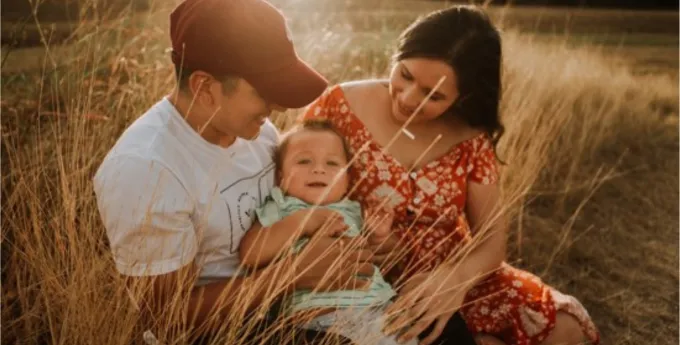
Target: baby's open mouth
317, 184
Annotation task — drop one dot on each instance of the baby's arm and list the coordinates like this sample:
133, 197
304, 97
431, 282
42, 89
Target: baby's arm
261, 245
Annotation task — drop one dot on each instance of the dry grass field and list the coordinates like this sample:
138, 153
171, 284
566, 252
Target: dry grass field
590, 106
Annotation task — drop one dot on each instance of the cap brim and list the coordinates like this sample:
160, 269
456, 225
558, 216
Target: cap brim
294, 86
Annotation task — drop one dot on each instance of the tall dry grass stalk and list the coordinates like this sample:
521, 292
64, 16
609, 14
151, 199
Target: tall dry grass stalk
567, 111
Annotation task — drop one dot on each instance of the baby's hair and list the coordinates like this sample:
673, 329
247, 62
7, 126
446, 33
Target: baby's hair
314, 124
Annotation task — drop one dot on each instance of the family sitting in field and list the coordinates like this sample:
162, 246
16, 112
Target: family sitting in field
381, 205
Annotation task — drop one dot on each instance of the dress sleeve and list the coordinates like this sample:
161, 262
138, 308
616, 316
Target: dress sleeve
318, 108
484, 165
329, 106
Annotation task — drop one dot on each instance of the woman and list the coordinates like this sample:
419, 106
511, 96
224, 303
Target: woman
440, 178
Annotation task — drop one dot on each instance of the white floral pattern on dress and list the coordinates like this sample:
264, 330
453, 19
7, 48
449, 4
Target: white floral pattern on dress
386, 191
533, 322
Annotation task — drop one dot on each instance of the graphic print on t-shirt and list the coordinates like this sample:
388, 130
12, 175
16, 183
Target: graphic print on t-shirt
241, 198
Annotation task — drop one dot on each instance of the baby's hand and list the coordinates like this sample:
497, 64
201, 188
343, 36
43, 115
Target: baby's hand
378, 224
325, 222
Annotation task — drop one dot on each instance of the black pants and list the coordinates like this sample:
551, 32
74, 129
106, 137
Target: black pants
455, 333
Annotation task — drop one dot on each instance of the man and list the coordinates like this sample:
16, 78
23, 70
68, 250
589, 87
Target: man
178, 190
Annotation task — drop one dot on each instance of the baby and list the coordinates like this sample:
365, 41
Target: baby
311, 162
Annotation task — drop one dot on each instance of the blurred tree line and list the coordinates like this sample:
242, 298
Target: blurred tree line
60, 10
621, 4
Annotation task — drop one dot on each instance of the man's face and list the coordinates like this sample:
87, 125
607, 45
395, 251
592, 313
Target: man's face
240, 111
227, 109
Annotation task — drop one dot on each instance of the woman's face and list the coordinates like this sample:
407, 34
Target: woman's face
411, 80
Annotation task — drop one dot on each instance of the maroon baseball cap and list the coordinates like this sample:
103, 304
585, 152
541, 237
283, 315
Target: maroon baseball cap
248, 39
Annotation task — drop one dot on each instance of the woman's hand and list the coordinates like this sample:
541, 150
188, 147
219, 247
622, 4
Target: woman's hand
378, 224
387, 252
425, 298
381, 239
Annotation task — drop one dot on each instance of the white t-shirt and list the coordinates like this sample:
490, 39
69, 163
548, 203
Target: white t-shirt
167, 197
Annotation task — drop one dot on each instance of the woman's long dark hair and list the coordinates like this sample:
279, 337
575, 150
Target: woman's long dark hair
464, 37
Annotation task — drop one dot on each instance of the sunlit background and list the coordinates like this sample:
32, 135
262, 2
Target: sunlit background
590, 105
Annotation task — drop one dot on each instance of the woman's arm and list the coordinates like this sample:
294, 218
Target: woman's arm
261, 245
489, 226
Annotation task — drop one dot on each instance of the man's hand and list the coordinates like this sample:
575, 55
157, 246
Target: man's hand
328, 264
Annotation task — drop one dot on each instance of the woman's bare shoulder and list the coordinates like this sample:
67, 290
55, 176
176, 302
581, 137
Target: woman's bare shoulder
359, 90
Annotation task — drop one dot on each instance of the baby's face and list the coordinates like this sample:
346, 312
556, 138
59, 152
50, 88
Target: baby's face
312, 162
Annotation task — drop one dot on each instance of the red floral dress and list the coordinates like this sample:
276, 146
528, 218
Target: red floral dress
429, 202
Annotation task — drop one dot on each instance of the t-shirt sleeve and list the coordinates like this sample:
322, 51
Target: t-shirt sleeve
484, 165
147, 213
269, 213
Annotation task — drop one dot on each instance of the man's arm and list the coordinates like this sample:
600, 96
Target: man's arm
488, 222
320, 265
239, 296
211, 306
